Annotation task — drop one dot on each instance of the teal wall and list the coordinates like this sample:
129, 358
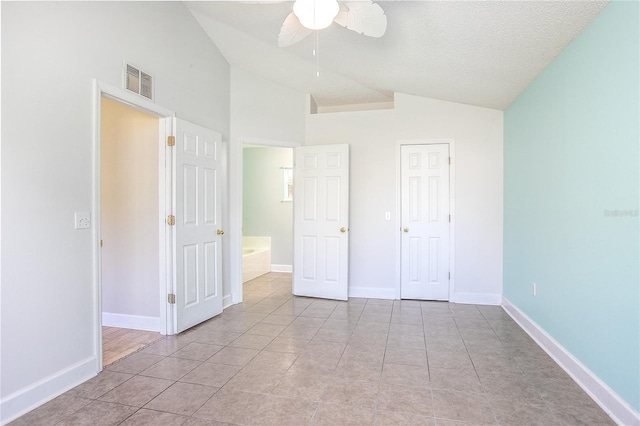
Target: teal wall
570, 157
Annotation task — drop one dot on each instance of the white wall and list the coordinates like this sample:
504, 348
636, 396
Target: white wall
261, 109
262, 112
50, 54
264, 212
129, 145
373, 137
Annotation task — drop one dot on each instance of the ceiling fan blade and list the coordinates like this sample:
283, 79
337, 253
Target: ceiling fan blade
363, 17
292, 31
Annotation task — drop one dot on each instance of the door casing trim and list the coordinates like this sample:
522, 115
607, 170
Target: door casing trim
164, 115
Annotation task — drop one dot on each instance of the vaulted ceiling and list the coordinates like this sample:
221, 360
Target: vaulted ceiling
481, 53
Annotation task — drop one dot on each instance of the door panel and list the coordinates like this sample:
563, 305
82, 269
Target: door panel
321, 221
211, 255
425, 222
197, 264
210, 193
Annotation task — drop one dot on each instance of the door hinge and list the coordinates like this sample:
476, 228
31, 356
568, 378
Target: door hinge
100, 243
449, 160
171, 141
449, 275
171, 220
449, 218
171, 298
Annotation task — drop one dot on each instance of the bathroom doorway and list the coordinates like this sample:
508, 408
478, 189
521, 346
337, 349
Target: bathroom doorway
267, 214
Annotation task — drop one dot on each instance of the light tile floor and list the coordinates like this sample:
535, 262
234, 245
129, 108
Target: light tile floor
283, 360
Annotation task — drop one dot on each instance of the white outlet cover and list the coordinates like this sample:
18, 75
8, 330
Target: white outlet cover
83, 220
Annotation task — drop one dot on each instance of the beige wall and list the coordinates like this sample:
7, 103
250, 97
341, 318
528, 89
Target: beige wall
129, 212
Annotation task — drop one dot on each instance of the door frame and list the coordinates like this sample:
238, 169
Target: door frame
236, 170
165, 116
452, 208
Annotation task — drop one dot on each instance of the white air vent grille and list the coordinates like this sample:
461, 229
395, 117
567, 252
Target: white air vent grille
138, 81
146, 85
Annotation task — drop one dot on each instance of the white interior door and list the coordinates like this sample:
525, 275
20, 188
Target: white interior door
198, 234
425, 222
321, 221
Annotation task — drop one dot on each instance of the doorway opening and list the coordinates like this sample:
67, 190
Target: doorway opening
118, 115
325, 168
267, 214
129, 208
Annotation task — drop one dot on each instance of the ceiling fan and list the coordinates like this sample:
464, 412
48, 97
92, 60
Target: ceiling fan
361, 16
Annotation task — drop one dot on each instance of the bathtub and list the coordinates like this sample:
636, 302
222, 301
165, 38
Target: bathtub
256, 257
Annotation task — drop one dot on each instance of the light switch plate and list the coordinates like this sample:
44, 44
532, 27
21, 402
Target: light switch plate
83, 220
387, 216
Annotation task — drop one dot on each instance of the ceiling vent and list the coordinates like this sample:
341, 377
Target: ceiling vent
138, 81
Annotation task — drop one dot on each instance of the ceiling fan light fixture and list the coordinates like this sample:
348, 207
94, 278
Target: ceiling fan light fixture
316, 14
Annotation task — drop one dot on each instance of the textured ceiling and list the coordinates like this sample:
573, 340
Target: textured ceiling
475, 52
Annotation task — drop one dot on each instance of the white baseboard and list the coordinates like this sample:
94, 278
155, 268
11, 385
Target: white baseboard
616, 407
227, 301
21, 402
282, 268
477, 298
372, 292
135, 322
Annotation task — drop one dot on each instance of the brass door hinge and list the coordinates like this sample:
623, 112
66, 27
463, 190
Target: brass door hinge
171, 141
171, 220
449, 160
171, 298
